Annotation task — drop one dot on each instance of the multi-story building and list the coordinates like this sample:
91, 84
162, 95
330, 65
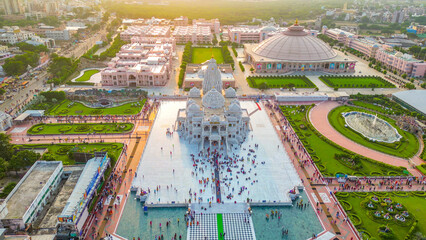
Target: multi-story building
213, 24
180, 21
402, 63
12, 7
27, 200
13, 35
145, 31
251, 34
398, 17
337, 34
144, 62
368, 47
195, 34
58, 34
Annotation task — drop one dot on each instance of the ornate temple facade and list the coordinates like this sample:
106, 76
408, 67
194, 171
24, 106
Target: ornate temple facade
213, 117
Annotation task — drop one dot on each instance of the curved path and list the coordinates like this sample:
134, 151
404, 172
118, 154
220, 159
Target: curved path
318, 117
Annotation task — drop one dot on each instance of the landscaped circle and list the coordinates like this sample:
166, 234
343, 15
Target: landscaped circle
371, 127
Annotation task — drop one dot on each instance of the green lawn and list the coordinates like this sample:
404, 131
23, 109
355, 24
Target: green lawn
355, 82
200, 54
69, 108
355, 206
280, 82
405, 148
86, 76
378, 108
79, 128
60, 151
323, 150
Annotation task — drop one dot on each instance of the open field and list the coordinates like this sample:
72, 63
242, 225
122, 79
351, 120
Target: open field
79, 128
60, 151
367, 220
280, 82
356, 82
201, 54
69, 108
86, 76
329, 157
405, 148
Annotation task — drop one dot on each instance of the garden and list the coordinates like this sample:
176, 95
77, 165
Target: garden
280, 82
329, 157
86, 75
386, 215
202, 54
356, 82
63, 151
79, 128
406, 147
69, 108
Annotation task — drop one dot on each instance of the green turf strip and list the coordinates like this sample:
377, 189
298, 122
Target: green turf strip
220, 227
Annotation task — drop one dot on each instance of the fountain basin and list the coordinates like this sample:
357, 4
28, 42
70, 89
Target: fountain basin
371, 127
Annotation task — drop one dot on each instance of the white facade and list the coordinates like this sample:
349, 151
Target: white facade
213, 119
5, 121
13, 35
58, 35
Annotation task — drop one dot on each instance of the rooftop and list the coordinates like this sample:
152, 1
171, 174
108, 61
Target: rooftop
415, 98
29, 188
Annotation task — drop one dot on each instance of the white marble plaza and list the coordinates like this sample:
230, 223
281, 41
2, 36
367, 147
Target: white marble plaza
165, 153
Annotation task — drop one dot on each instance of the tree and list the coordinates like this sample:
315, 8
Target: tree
23, 159
404, 75
6, 148
2, 91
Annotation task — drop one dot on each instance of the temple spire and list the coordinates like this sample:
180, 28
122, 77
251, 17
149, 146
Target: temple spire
297, 22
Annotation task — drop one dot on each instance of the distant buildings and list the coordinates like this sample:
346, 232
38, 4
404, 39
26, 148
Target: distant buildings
13, 35
58, 34
144, 62
213, 24
251, 34
180, 21
398, 17
195, 34
384, 53
11, 7
145, 31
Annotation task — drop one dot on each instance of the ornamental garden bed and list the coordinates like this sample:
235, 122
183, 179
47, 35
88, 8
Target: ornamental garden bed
406, 147
356, 82
323, 151
389, 218
69, 108
80, 128
280, 82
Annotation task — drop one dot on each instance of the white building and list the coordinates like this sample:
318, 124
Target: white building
5, 121
145, 31
58, 34
13, 35
27, 200
213, 119
195, 34
213, 24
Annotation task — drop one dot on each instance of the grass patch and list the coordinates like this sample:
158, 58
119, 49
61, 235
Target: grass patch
375, 107
86, 76
200, 54
280, 82
405, 148
69, 108
79, 128
220, 226
324, 151
60, 151
369, 223
356, 82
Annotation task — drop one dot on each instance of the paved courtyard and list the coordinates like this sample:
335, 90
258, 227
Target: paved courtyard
262, 174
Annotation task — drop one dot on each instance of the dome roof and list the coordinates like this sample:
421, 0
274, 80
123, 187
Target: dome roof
230, 93
215, 118
294, 44
268, 29
213, 99
194, 108
234, 108
194, 92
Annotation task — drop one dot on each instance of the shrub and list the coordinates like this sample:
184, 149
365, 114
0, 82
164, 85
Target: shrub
6, 190
356, 220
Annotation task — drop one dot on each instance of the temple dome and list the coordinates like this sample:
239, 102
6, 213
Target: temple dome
215, 118
212, 77
213, 99
294, 44
194, 92
230, 93
194, 108
234, 108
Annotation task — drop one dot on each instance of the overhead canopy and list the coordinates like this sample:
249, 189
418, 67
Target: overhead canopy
30, 113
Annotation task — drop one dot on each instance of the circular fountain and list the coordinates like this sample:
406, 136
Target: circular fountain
371, 127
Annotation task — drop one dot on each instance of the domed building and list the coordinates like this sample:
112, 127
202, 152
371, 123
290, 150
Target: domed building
295, 50
213, 118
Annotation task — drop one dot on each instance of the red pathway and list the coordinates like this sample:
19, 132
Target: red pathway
318, 117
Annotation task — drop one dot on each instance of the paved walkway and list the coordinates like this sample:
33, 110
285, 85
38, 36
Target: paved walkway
318, 117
